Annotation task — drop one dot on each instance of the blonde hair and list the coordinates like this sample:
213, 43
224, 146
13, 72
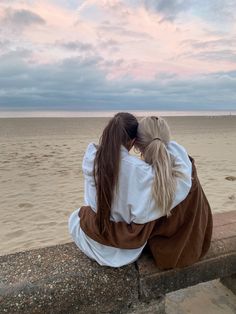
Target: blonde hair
153, 137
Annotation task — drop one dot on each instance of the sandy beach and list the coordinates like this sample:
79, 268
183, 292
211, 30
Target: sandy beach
41, 180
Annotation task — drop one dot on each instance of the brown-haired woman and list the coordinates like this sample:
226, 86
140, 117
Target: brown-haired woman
119, 187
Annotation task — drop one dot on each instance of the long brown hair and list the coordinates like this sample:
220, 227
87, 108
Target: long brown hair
121, 129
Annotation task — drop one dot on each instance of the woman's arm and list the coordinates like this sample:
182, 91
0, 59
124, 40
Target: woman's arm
120, 234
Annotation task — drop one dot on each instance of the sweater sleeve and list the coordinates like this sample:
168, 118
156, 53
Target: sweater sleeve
184, 165
89, 184
88, 160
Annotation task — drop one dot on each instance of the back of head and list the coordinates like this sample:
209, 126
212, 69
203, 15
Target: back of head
152, 130
152, 139
120, 130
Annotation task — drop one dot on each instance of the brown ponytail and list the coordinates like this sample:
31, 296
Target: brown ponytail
120, 130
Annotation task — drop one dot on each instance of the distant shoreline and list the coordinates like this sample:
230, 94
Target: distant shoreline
105, 114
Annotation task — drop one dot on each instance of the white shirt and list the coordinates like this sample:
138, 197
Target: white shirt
133, 201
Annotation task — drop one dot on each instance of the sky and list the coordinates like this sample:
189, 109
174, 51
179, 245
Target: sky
117, 54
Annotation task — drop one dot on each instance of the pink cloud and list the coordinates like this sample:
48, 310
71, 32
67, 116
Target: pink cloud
147, 46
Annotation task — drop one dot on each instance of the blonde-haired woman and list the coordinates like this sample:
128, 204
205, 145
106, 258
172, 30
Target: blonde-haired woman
173, 206
153, 142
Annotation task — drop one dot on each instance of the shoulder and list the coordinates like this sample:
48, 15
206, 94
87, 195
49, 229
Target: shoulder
179, 153
182, 162
91, 150
174, 147
137, 168
88, 160
137, 163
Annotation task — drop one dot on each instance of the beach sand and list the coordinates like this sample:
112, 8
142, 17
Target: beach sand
41, 183
41, 180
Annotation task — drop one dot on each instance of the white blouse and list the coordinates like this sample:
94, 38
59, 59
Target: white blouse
132, 202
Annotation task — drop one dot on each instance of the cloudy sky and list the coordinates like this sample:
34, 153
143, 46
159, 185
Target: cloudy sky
118, 54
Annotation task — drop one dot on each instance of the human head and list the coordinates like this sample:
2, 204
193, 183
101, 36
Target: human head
152, 132
152, 139
120, 130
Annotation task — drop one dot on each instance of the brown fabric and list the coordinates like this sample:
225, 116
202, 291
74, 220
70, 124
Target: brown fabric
177, 241
120, 235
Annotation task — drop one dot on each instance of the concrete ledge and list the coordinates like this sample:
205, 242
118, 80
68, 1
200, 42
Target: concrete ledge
219, 262
61, 279
230, 282
159, 283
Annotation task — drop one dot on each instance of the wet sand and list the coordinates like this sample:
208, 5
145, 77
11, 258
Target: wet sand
41, 181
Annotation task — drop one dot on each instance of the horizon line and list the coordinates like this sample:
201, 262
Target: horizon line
110, 113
